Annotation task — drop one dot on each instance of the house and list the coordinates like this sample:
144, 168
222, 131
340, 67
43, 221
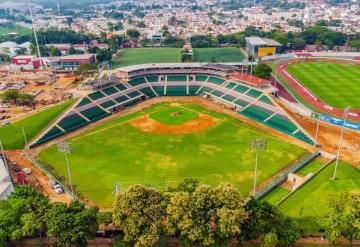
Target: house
70, 62
25, 62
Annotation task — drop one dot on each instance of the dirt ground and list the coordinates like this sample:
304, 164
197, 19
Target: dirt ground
329, 137
147, 124
42, 179
47, 87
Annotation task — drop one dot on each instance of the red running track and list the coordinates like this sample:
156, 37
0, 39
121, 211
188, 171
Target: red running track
311, 98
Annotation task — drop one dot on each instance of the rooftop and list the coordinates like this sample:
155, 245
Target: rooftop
262, 41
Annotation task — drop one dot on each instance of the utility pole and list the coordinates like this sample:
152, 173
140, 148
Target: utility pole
24, 134
257, 145
35, 35
346, 112
317, 132
65, 147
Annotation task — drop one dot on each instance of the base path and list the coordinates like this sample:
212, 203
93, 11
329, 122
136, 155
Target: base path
308, 96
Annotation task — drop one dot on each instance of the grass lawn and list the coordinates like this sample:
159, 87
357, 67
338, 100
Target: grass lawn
312, 167
276, 195
4, 30
336, 84
147, 55
173, 115
12, 135
224, 54
309, 202
118, 153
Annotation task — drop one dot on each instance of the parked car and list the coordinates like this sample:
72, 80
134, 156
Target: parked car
58, 189
27, 171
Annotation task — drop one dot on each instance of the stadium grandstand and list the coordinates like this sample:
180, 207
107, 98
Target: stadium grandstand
247, 95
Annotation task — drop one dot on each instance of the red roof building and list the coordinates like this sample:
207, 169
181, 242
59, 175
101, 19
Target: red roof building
25, 62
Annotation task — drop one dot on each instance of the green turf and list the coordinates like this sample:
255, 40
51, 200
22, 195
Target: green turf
336, 84
173, 115
147, 55
312, 167
117, 153
309, 202
12, 135
225, 54
276, 195
6, 29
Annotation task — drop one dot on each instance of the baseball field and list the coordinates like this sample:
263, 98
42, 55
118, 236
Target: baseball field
164, 144
337, 84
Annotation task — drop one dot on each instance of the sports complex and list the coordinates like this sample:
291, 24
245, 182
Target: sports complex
157, 124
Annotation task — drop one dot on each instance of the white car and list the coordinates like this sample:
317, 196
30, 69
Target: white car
58, 189
27, 171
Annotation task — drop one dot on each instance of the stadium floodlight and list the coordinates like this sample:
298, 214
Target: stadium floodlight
346, 112
65, 147
257, 144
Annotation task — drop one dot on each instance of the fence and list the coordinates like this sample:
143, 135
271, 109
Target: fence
279, 180
44, 170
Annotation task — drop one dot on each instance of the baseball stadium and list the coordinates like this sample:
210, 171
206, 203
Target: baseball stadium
157, 124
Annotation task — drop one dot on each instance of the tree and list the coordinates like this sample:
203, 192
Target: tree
298, 44
133, 34
10, 95
342, 217
206, 215
140, 213
25, 99
262, 70
86, 69
71, 225
54, 51
270, 240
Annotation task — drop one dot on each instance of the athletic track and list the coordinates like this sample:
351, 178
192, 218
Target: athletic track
310, 98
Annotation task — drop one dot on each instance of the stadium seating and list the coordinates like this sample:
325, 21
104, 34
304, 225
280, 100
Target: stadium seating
230, 85
301, 135
217, 93
52, 134
72, 121
121, 98
176, 90
204, 90
83, 102
109, 91
282, 124
241, 102
94, 113
241, 89
159, 90
96, 95
266, 100
176, 78
120, 86
215, 80
228, 97
152, 78
256, 112
201, 77
254, 93
107, 104
148, 92
193, 89
137, 81
133, 94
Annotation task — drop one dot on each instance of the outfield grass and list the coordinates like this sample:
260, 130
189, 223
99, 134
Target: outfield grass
218, 54
310, 201
312, 167
276, 195
336, 84
12, 135
118, 153
147, 55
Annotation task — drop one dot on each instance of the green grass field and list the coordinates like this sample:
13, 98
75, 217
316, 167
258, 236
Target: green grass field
225, 54
310, 201
12, 135
336, 84
118, 153
147, 55
4, 30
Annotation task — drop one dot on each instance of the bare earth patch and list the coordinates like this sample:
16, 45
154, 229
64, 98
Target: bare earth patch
147, 124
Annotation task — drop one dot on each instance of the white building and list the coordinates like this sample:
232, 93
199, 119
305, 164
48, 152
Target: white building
6, 185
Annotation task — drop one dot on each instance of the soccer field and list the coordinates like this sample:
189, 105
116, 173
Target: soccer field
164, 144
336, 84
147, 55
218, 54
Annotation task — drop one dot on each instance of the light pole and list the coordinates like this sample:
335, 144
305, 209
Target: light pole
317, 132
346, 112
65, 147
257, 145
24, 134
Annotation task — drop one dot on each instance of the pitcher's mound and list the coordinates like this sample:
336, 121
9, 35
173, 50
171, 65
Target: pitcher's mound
147, 124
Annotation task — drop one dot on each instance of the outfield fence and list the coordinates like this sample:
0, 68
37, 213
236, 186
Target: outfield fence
279, 180
47, 173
